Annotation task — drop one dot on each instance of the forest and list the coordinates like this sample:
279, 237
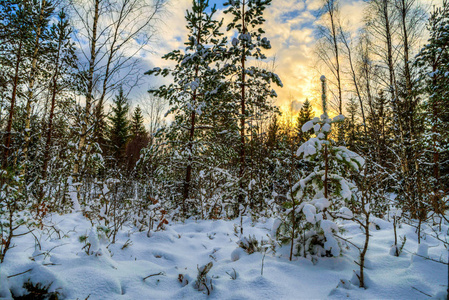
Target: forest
206, 186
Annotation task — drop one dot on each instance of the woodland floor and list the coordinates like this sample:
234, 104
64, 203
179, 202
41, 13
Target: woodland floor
182, 247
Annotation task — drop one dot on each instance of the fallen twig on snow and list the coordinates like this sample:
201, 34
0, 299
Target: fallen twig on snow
157, 274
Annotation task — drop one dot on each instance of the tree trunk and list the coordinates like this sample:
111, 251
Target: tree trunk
243, 115
290, 183
51, 116
31, 87
435, 152
191, 135
11, 108
363, 253
356, 85
332, 10
89, 96
393, 83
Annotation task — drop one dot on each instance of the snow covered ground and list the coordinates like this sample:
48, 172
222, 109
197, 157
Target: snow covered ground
183, 247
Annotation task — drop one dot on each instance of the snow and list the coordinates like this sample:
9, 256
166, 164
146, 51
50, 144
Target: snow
310, 212
307, 126
421, 253
346, 213
309, 148
275, 227
338, 118
326, 127
194, 85
184, 247
73, 195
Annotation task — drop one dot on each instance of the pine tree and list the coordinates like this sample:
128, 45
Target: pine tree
352, 128
250, 85
15, 48
64, 60
137, 127
42, 11
305, 115
119, 127
273, 133
433, 61
139, 138
55, 137
197, 81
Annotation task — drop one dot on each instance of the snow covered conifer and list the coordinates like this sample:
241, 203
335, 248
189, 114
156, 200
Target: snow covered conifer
250, 86
433, 61
305, 114
119, 132
196, 81
323, 193
327, 189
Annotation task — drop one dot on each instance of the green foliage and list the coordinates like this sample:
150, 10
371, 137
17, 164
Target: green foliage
307, 218
433, 63
351, 125
137, 128
119, 128
38, 291
15, 209
305, 114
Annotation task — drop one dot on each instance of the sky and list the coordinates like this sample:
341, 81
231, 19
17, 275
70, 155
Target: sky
289, 26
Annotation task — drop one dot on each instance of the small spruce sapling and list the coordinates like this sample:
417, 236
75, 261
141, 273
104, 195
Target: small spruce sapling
325, 190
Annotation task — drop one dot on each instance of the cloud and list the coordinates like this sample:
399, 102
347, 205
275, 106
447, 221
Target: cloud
289, 26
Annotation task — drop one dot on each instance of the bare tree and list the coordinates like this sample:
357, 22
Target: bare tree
115, 32
329, 45
153, 108
347, 40
328, 49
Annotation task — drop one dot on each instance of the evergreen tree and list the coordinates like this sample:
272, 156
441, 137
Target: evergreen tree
379, 120
320, 195
273, 133
250, 86
64, 60
137, 128
305, 115
197, 80
55, 145
433, 61
15, 48
41, 13
139, 138
352, 128
119, 127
